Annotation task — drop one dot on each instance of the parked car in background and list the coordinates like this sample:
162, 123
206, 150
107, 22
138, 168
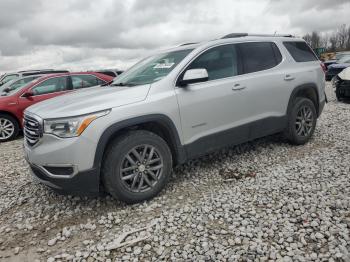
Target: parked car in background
341, 83
10, 76
19, 95
17, 83
110, 72
327, 63
171, 107
337, 67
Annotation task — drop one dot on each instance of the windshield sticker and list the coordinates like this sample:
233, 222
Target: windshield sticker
164, 66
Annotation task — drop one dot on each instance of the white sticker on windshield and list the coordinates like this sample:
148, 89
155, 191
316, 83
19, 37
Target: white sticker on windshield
164, 66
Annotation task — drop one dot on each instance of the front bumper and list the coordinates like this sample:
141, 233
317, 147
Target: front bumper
65, 165
82, 184
343, 89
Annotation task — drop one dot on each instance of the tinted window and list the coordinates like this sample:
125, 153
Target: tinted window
258, 56
52, 85
300, 51
220, 62
83, 81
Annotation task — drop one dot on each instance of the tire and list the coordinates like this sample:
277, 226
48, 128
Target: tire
117, 165
302, 120
9, 128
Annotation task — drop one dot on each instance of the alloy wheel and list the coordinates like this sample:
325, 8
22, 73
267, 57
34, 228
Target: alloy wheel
304, 121
7, 128
141, 168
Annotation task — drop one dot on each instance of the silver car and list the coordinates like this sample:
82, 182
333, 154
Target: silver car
173, 106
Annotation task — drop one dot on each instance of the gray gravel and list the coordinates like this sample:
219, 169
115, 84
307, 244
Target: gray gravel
264, 200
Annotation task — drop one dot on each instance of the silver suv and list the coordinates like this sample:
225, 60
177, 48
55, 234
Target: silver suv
173, 106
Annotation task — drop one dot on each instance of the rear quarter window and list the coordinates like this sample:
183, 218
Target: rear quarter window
258, 56
300, 51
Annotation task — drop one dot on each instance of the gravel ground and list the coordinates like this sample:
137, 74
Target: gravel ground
263, 200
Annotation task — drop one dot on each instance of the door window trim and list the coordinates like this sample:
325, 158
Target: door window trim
239, 61
31, 88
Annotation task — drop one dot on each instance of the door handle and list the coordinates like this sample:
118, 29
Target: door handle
238, 87
289, 77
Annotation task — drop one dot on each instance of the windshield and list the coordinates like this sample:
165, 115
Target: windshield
151, 69
8, 78
13, 86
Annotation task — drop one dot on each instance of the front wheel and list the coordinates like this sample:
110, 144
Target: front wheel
8, 128
301, 121
137, 166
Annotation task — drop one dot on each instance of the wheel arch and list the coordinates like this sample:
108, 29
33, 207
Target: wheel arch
157, 123
308, 90
12, 115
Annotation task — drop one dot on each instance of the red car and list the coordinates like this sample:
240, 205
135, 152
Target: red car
14, 99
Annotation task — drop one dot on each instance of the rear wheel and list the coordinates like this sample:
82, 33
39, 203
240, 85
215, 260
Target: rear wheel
8, 128
301, 121
137, 166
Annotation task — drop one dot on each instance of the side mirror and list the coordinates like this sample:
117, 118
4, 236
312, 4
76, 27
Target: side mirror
28, 94
192, 76
6, 90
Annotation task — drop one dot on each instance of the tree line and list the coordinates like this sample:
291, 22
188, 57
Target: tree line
338, 40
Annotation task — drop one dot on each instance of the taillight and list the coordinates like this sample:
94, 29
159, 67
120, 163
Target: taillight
324, 68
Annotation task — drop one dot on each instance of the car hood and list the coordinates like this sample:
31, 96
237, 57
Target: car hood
89, 100
345, 74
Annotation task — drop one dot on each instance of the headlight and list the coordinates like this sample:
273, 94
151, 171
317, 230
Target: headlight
71, 126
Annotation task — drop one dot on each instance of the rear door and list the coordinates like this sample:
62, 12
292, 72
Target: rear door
264, 87
47, 89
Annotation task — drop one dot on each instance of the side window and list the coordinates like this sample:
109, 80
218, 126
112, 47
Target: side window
83, 81
300, 51
258, 56
52, 85
220, 62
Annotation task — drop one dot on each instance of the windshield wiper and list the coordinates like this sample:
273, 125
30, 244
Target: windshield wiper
108, 83
118, 84
122, 84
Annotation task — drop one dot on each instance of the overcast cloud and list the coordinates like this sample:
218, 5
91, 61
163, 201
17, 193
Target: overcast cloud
83, 34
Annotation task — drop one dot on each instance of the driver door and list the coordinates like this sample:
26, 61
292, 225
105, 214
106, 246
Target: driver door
210, 110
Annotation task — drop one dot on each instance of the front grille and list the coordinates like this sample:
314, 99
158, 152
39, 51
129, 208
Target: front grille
32, 130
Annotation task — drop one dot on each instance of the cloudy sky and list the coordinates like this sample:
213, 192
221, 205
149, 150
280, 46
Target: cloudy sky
86, 34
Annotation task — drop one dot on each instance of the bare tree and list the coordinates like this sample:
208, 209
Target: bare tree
315, 40
307, 38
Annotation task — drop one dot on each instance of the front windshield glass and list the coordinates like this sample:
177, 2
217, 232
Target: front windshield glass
8, 78
12, 87
151, 69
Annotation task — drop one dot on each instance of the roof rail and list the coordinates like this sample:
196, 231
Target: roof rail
233, 35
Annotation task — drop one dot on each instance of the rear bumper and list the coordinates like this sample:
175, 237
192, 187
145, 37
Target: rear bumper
83, 184
321, 106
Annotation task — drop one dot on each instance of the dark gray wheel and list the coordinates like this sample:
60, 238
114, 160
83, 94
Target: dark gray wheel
8, 128
136, 166
141, 168
302, 120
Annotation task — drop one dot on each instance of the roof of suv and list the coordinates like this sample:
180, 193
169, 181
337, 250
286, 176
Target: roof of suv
235, 39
